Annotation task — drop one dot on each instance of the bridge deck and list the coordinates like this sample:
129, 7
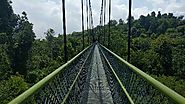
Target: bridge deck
87, 83
99, 92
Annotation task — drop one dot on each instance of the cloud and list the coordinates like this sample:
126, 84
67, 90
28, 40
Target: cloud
119, 11
168, 6
138, 11
178, 8
45, 14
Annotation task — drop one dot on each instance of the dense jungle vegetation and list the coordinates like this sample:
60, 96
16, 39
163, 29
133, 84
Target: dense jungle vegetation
158, 48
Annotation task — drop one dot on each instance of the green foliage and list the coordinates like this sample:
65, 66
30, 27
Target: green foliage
121, 22
181, 29
3, 38
50, 35
179, 58
7, 18
5, 69
113, 22
158, 47
11, 88
157, 43
174, 83
140, 43
16, 34
22, 43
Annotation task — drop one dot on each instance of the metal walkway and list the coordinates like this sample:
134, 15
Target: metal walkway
98, 76
99, 92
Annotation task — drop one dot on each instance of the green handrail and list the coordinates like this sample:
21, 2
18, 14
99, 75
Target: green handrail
156, 84
75, 80
28, 93
118, 79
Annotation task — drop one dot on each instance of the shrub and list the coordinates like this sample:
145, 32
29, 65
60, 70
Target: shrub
11, 88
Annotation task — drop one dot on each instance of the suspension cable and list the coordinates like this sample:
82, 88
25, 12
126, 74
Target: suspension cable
64, 29
82, 24
109, 41
87, 13
101, 14
91, 21
129, 30
91, 17
104, 20
101, 21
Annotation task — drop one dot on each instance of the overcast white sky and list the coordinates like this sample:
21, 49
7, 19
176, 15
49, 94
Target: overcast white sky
46, 14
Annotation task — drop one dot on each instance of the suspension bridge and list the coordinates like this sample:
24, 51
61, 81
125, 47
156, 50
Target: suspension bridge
98, 76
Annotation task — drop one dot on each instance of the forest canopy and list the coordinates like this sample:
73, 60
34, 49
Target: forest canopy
158, 48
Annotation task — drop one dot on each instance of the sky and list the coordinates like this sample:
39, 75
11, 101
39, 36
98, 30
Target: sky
45, 14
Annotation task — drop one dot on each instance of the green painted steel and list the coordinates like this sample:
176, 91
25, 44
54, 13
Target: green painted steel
121, 84
28, 93
156, 84
73, 84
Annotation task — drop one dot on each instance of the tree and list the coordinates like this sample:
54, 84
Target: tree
153, 14
163, 46
132, 19
161, 29
55, 49
135, 32
170, 15
180, 17
50, 34
121, 22
141, 43
159, 15
17, 36
113, 22
165, 52
5, 69
153, 25
3, 38
144, 22
9, 89
8, 19
165, 15
181, 29
178, 62
52, 43
22, 43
